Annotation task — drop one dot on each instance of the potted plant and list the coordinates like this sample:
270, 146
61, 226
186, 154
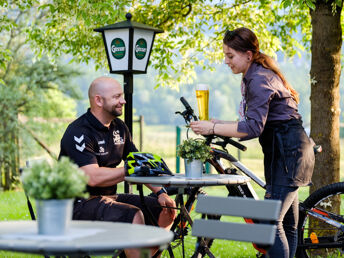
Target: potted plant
54, 186
194, 152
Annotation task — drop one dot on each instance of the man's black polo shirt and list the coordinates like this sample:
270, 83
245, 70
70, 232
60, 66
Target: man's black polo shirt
87, 141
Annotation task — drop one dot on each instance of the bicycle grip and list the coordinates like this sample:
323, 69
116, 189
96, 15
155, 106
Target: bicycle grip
185, 103
236, 144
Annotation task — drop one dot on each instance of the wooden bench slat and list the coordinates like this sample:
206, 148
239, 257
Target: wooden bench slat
256, 233
240, 207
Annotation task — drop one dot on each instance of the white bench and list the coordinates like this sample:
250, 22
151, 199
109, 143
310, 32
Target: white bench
261, 232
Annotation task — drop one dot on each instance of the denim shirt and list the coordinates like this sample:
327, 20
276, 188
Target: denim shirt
266, 100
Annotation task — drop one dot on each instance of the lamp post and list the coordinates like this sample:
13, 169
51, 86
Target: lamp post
128, 46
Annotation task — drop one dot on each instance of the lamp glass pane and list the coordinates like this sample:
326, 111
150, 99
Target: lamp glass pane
142, 47
117, 43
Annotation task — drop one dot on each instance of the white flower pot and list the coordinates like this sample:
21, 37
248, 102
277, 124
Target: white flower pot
53, 216
193, 169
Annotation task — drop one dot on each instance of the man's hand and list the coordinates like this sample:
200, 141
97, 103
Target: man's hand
165, 201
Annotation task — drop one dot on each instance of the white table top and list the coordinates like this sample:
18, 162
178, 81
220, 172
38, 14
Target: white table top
82, 237
182, 181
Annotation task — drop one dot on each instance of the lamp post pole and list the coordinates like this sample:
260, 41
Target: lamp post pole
128, 110
128, 96
128, 46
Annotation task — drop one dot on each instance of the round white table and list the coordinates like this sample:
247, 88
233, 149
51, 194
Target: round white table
180, 180
81, 238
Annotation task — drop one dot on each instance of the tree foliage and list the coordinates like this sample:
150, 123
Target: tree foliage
193, 30
28, 86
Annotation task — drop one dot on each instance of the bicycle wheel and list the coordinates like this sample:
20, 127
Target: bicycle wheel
326, 240
183, 240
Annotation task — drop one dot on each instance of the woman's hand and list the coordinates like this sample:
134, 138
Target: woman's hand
202, 127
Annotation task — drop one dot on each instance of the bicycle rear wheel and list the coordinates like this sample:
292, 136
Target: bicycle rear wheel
330, 239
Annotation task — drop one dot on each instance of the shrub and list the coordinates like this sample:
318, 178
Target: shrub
60, 180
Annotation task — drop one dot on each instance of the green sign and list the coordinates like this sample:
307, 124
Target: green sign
118, 48
140, 48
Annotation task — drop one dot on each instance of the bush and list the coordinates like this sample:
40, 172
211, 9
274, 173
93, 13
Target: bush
61, 180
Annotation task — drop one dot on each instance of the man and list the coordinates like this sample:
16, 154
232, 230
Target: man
97, 142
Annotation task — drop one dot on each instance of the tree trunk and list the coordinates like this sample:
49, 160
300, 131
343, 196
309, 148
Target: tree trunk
325, 110
9, 153
325, 74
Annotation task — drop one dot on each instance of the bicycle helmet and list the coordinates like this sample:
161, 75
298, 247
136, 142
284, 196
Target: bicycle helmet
145, 164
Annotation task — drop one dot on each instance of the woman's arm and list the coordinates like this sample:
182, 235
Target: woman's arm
228, 128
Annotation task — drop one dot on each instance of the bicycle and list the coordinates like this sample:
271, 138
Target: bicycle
311, 238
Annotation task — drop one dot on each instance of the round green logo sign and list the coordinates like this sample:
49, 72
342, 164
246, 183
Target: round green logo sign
118, 48
140, 48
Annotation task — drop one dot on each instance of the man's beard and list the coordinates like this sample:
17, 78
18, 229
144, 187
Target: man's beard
112, 109
115, 113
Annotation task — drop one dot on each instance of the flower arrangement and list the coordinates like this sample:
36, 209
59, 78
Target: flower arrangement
194, 149
60, 180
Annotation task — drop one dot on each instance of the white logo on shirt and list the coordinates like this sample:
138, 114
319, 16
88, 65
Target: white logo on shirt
80, 148
101, 149
79, 140
101, 142
117, 139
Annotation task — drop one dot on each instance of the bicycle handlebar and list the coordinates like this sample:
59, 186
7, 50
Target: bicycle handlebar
189, 114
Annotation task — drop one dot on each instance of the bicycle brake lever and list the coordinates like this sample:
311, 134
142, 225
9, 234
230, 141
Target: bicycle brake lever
186, 115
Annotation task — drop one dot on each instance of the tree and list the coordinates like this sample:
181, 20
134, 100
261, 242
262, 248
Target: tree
325, 74
26, 85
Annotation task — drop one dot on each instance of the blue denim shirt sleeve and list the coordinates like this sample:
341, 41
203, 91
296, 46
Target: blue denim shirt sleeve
258, 96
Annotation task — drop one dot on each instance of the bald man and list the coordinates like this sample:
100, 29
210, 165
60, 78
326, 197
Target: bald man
97, 142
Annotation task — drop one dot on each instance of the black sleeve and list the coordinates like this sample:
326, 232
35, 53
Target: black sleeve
79, 147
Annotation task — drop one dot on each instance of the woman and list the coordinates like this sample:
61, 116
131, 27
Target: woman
268, 110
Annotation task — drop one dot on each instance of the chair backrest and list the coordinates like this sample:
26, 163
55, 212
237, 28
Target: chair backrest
260, 232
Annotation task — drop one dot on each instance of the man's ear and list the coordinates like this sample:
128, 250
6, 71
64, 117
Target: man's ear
98, 100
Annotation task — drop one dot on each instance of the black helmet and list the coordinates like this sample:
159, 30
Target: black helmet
145, 164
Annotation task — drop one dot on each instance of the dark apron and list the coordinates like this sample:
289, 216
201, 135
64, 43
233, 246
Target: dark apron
288, 153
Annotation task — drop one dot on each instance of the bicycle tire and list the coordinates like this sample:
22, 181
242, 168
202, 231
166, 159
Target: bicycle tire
191, 242
328, 235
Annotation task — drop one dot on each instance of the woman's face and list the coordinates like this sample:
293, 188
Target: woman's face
239, 62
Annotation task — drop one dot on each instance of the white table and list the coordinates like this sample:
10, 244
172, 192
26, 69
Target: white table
81, 238
182, 182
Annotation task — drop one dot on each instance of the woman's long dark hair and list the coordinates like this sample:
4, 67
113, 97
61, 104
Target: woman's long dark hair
243, 40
